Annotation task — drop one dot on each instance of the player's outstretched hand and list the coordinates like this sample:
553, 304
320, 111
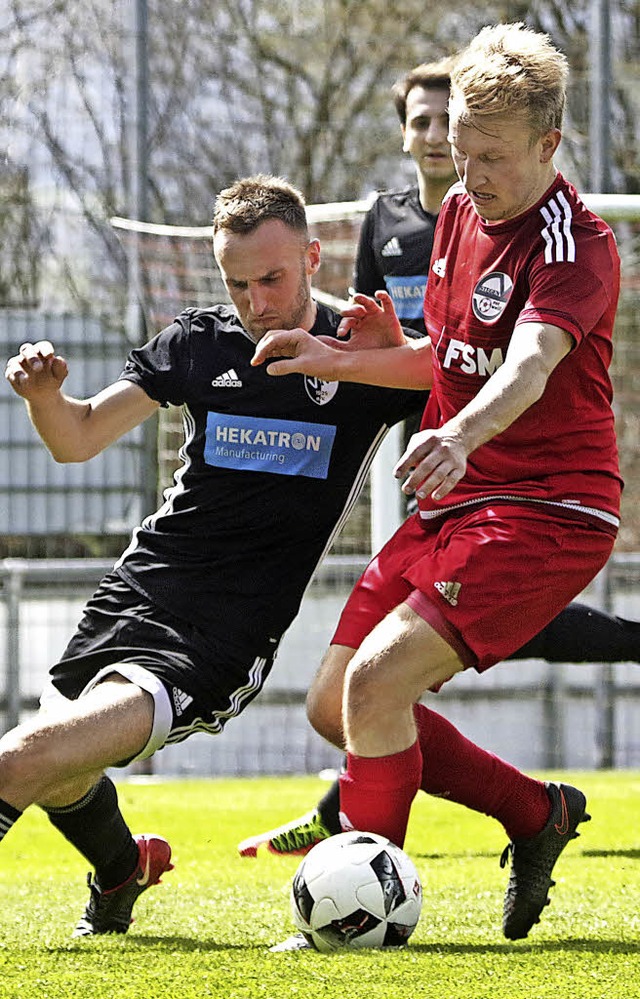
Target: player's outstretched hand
371, 323
434, 462
305, 354
36, 371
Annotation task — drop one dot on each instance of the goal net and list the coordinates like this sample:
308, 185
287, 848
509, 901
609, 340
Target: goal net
177, 268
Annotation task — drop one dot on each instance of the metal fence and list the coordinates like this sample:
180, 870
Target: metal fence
580, 716
39, 497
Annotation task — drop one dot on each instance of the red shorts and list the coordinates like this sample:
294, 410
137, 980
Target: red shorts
487, 580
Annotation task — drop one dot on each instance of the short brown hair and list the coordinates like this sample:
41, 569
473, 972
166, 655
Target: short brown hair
250, 201
510, 69
432, 75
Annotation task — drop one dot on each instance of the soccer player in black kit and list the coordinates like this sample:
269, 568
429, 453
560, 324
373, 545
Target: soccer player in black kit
181, 635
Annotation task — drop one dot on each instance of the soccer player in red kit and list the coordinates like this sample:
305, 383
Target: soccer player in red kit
514, 468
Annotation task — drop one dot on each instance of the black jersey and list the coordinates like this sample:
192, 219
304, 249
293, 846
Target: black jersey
393, 253
270, 469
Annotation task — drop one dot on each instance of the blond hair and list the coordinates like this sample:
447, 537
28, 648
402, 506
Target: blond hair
250, 201
510, 69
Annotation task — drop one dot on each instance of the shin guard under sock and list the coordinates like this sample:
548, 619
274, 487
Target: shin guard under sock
376, 792
96, 827
457, 769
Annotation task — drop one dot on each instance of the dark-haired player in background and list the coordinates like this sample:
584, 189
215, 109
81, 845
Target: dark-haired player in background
397, 232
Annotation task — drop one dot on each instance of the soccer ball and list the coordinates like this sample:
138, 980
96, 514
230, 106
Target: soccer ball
356, 889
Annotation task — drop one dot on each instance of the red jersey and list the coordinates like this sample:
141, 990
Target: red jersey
556, 263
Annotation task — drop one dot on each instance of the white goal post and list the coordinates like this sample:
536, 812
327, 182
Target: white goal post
612, 208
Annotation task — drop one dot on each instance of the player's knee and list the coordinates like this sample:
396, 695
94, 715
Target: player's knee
368, 694
22, 762
324, 716
324, 699
30, 765
324, 710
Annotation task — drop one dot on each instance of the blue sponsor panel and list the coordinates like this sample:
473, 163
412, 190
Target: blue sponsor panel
407, 294
284, 447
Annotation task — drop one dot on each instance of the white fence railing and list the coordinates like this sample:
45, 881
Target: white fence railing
581, 716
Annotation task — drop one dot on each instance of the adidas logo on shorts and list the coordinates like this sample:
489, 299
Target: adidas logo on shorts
181, 701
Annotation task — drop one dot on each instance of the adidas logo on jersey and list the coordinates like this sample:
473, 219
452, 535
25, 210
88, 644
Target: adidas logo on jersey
392, 248
449, 591
181, 701
227, 380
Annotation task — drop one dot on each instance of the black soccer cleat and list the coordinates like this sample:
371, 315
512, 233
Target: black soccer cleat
533, 860
110, 911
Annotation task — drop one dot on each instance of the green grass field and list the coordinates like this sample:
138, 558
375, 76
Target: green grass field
207, 929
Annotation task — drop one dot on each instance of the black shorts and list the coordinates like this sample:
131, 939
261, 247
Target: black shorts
198, 682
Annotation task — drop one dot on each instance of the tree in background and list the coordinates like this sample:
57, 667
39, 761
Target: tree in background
569, 24
283, 86
22, 239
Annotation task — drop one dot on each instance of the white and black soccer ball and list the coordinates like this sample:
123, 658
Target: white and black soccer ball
356, 889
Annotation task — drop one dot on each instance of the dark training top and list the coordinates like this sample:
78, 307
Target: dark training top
271, 467
394, 251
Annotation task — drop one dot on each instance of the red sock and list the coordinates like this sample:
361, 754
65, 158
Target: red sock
376, 792
455, 768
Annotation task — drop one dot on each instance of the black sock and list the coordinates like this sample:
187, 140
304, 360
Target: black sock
582, 634
96, 827
329, 809
8, 815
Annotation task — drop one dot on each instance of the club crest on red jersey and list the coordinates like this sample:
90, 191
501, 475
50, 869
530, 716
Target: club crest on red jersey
490, 296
